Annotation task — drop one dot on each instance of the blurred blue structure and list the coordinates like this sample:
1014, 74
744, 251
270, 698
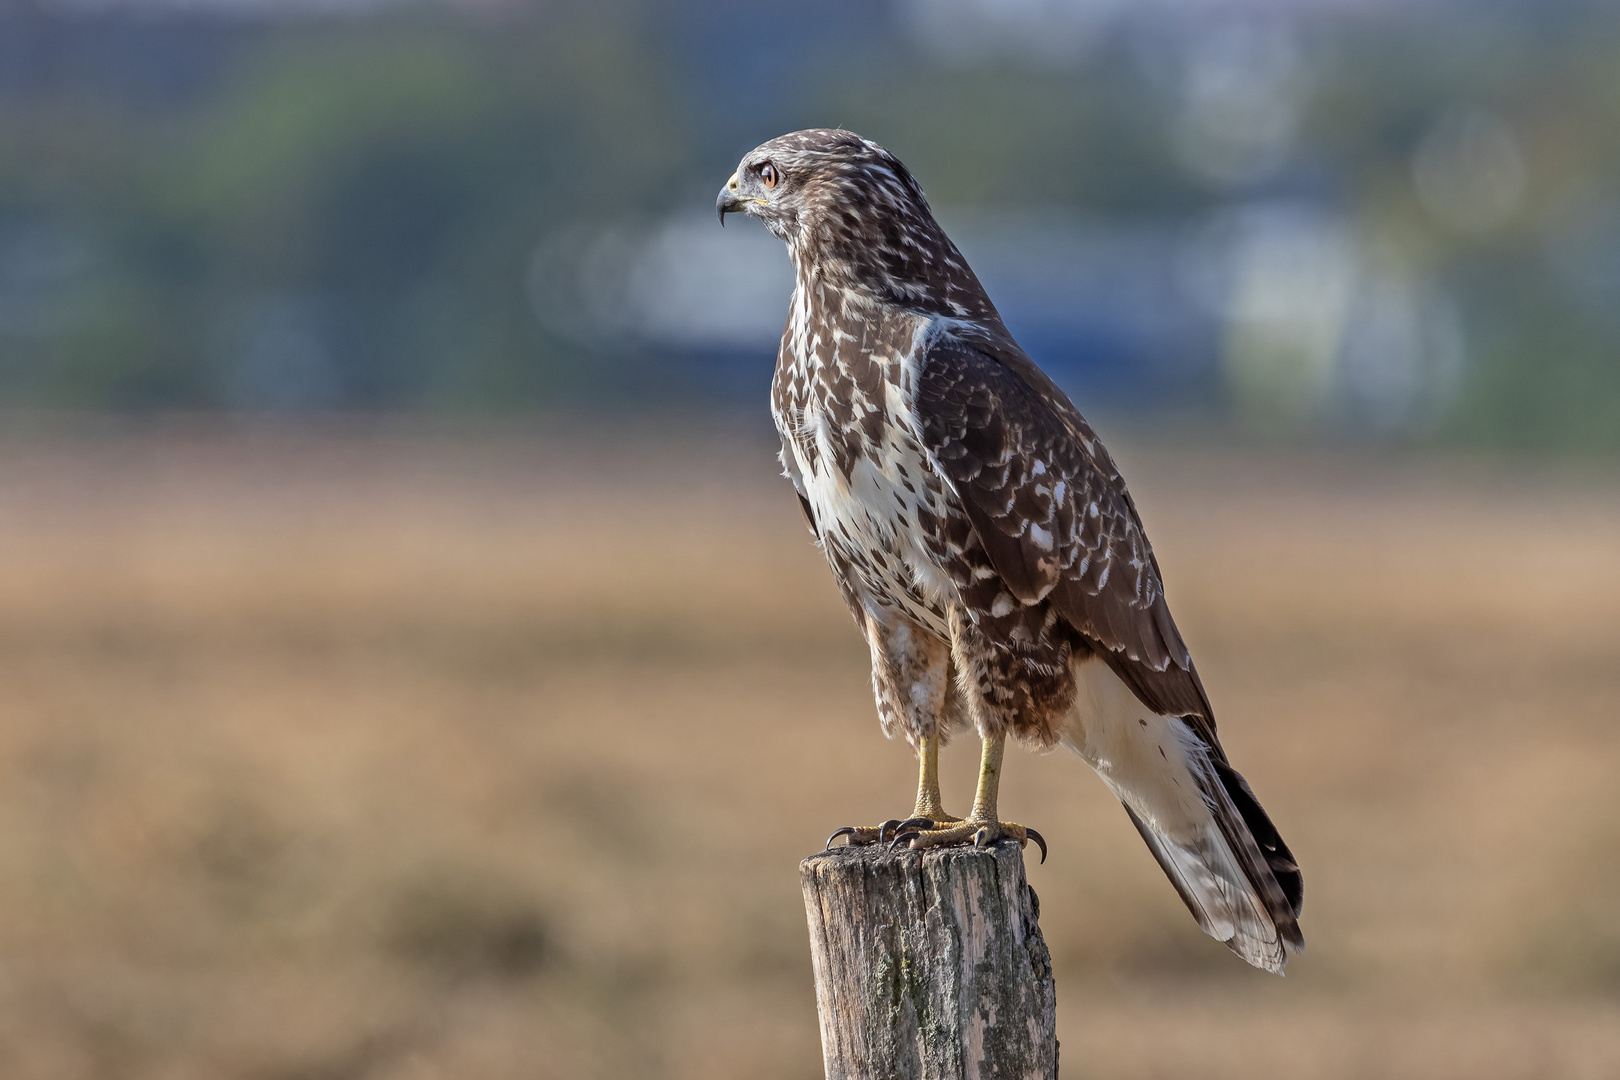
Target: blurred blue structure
1338, 217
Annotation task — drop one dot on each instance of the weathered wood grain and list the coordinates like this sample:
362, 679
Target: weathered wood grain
930, 966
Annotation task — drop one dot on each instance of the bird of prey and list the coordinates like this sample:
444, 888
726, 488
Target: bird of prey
985, 542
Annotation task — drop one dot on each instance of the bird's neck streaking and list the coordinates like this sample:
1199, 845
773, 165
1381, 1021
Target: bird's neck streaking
909, 263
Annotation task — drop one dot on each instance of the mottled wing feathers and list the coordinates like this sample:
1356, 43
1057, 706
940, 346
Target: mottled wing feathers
1053, 514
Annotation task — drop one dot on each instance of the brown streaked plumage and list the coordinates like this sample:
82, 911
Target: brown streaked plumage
985, 542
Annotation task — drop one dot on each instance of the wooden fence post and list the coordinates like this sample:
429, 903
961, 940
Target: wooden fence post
930, 965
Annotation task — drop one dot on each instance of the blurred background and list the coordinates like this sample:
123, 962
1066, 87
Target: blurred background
411, 665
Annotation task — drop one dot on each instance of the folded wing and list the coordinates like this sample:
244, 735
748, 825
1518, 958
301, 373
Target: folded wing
1050, 509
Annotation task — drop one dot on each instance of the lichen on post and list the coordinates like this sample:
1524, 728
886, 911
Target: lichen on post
930, 965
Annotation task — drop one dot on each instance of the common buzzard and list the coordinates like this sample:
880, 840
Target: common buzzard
985, 542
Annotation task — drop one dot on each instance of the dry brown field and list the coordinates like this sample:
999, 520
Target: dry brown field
404, 752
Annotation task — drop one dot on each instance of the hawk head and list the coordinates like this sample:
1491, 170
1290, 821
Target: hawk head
851, 212
819, 181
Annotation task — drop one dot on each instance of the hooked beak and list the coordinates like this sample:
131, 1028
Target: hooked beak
728, 202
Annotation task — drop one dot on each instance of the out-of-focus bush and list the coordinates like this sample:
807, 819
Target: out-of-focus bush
1339, 219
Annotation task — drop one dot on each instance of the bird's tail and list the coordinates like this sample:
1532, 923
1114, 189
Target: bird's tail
1206, 829
1234, 872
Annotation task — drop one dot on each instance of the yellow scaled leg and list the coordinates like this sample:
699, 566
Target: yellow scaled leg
982, 827
928, 800
928, 812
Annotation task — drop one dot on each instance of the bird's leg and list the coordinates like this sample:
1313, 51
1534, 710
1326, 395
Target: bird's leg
982, 827
929, 805
929, 811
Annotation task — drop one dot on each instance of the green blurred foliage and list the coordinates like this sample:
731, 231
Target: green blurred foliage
397, 171
384, 179
1543, 335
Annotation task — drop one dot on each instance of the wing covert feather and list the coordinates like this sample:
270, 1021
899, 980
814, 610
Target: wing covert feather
1053, 514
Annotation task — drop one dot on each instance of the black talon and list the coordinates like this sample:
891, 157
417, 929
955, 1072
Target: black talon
982, 837
1040, 841
847, 830
915, 823
905, 837
883, 829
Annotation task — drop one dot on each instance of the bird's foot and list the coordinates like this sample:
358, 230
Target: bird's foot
979, 832
886, 832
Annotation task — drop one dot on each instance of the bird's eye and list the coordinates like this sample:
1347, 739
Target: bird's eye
767, 174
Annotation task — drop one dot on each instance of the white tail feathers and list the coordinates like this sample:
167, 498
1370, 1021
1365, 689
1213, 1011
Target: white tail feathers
1212, 884
1164, 774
